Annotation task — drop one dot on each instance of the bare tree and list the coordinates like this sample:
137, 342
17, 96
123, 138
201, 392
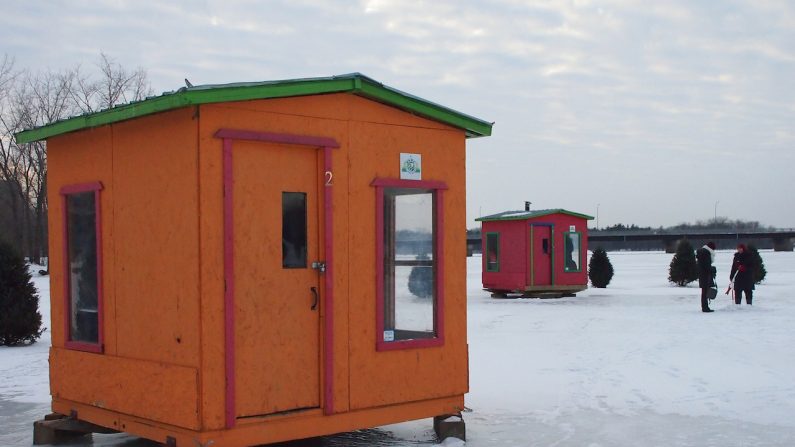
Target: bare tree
84, 91
6, 75
46, 100
115, 85
32, 100
37, 100
11, 198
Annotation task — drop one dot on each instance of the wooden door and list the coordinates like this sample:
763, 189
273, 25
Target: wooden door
542, 255
276, 239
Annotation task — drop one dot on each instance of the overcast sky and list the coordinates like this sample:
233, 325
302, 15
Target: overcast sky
651, 111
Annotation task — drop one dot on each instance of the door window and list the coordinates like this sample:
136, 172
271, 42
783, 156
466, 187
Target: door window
293, 230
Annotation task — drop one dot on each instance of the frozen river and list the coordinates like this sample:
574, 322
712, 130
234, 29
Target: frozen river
634, 364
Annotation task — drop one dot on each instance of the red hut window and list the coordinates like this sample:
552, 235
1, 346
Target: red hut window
83, 266
410, 263
492, 252
572, 254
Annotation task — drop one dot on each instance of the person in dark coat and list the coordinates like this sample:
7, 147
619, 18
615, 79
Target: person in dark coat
705, 257
742, 274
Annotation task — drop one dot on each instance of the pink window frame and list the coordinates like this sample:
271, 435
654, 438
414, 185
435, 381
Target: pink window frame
438, 318
65, 191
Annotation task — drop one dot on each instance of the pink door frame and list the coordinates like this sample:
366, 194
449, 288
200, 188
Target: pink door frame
323, 143
550, 258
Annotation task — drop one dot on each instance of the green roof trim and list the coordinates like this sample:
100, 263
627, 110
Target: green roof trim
355, 83
524, 215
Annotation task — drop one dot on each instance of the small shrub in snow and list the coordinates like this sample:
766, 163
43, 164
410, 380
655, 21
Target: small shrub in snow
600, 270
759, 264
683, 269
20, 320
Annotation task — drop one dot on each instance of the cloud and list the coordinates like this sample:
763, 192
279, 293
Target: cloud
635, 90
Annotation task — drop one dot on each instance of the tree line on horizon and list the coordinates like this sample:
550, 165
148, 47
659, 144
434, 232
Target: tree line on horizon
718, 223
31, 99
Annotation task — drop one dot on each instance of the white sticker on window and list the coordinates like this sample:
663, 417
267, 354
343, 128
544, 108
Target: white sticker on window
410, 166
389, 335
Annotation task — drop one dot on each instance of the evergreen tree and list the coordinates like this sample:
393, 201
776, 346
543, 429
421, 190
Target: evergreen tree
421, 279
759, 265
600, 270
683, 269
20, 320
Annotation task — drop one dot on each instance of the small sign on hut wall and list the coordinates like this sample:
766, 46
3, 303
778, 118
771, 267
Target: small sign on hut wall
389, 335
410, 166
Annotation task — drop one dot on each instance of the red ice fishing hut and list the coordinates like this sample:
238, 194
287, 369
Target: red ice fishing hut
535, 253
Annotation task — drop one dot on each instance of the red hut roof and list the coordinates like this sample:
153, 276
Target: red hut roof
523, 215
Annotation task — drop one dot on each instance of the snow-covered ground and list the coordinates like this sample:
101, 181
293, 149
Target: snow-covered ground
636, 364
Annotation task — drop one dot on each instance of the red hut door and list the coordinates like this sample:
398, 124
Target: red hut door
276, 239
541, 255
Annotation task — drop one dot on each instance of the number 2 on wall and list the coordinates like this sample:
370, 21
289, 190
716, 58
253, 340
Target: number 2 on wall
329, 177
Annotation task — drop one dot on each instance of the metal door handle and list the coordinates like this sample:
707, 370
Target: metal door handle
316, 297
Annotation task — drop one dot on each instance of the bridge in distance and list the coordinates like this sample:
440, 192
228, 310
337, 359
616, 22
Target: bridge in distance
782, 240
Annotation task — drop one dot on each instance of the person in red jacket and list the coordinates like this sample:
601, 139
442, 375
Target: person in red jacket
742, 275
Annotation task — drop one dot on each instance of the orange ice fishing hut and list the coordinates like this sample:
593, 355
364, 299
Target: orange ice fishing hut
242, 264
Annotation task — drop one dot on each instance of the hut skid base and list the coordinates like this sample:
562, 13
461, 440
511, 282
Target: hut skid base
542, 295
450, 426
57, 428
537, 292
